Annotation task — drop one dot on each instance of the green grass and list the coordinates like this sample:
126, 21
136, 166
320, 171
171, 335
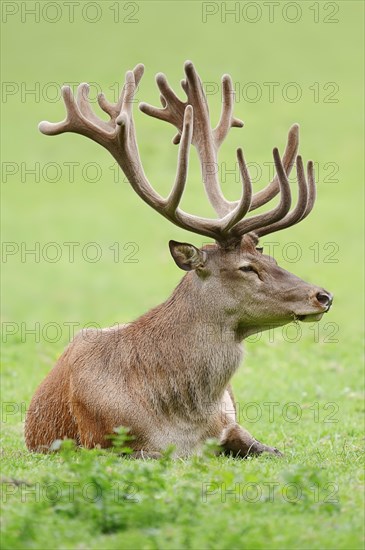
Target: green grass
183, 504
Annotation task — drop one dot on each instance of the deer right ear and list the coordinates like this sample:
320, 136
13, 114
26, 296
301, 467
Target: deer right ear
187, 256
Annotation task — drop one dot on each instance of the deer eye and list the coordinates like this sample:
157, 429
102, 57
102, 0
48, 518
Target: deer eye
247, 268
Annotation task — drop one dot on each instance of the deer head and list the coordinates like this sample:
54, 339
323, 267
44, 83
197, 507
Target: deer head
233, 278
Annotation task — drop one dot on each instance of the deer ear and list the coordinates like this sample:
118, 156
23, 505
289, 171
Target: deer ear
187, 256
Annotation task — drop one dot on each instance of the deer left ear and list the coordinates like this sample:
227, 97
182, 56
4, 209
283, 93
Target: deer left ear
187, 256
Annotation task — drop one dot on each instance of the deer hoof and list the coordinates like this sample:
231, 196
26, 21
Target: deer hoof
260, 449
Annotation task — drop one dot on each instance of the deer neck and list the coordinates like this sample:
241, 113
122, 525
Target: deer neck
193, 348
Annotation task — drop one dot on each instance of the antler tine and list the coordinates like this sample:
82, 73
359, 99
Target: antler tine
227, 121
167, 92
54, 128
183, 160
167, 97
298, 212
195, 90
82, 100
311, 190
277, 213
243, 205
273, 188
127, 96
113, 109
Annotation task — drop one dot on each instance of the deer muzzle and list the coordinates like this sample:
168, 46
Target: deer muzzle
323, 300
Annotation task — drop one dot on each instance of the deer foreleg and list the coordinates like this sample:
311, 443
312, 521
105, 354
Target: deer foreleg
238, 442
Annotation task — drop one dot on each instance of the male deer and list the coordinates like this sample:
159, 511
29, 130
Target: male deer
166, 375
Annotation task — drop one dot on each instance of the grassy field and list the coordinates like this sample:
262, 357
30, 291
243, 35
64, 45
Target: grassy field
300, 391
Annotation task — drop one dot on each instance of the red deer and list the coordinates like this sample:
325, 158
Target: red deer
165, 376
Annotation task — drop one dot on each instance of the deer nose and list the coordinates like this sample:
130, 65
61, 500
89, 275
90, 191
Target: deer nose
324, 298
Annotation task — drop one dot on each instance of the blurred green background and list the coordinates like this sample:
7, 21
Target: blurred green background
39, 56
319, 56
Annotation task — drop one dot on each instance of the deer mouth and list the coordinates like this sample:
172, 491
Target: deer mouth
310, 317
